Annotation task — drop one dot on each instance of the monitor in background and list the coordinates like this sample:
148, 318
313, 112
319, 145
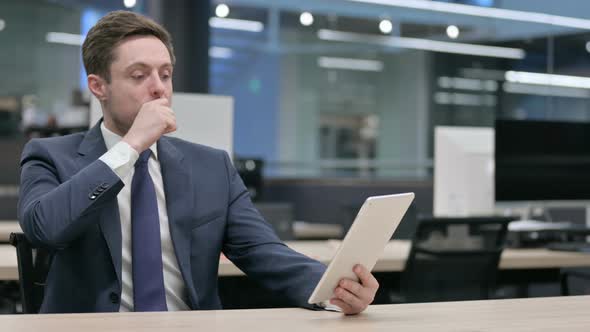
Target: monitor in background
463, 171
542, 161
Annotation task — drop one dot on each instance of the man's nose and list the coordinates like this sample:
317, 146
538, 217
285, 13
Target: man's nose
157, 87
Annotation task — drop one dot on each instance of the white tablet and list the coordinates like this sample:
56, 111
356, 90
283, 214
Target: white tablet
365, 241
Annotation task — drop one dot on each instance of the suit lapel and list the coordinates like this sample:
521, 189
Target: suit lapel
91, 148
179, 202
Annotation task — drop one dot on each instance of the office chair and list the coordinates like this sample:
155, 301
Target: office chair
33, 265
453, 259
280, 215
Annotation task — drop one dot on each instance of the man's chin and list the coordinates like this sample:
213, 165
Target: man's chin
117, 127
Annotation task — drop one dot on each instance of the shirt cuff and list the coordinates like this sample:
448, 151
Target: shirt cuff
121, 159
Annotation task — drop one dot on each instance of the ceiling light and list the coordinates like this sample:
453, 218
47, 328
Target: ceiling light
220, 52
463, 83
385, 26
350, 64
453, 31
465, 99
588, 47
306, 19
498, 13
2, 24
548, 79
129, 3
64, 38
423, 44
445, 82
222, 10
235, 24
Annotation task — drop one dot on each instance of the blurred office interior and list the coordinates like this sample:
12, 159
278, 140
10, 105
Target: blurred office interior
333, 100
337, 99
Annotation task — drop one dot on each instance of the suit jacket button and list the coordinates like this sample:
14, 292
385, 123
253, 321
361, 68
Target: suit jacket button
104, 186
114, 297
92, 196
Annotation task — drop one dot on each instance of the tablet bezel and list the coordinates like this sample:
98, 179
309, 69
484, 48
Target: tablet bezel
375, 222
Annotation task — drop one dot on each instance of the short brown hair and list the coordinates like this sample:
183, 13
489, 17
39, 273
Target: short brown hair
109, 31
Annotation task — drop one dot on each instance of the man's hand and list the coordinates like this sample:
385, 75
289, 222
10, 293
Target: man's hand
154, 119
354, 297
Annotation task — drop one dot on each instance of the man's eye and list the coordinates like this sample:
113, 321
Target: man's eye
137, 76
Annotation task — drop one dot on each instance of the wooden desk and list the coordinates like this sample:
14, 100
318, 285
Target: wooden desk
537, 314
315, 231
7, 227
392, 260
394, 257
8, 265
301, 229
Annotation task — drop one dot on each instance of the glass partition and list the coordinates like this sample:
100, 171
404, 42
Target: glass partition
329, 88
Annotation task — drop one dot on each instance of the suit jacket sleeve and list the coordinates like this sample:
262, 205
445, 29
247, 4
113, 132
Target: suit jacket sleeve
252, 244
55, 207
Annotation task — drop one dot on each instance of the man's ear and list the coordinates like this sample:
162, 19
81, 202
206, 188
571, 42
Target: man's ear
98, 86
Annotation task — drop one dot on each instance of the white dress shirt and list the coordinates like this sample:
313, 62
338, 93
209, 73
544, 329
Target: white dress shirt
121, 158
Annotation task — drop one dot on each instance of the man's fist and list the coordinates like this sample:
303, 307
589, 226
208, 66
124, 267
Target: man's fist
154, 119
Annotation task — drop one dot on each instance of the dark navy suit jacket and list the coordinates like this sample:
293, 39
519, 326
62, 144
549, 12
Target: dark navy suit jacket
68, 203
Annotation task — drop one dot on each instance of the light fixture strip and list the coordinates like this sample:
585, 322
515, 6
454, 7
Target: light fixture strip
220, 52
548, 79
235, 24
497, 13
423, 44
64, 38
350, 64
541, 90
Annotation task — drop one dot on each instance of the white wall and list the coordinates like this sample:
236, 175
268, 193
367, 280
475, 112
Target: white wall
202, 119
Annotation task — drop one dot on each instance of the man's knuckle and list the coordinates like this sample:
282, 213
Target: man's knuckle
358, 288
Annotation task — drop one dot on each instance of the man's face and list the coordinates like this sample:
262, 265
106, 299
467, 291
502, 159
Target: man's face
141, 72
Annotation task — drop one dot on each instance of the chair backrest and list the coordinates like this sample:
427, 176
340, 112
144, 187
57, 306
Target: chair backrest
454, 259
575, 281
280, 215
33, 265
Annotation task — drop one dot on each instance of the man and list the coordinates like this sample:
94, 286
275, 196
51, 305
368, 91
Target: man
138, 220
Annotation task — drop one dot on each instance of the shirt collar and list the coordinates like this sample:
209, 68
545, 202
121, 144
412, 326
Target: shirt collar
110, 139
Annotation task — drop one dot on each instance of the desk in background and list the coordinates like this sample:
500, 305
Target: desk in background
393, 258
8, 267
519, 267
8, 264
7, 227
300, 230
538, 314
